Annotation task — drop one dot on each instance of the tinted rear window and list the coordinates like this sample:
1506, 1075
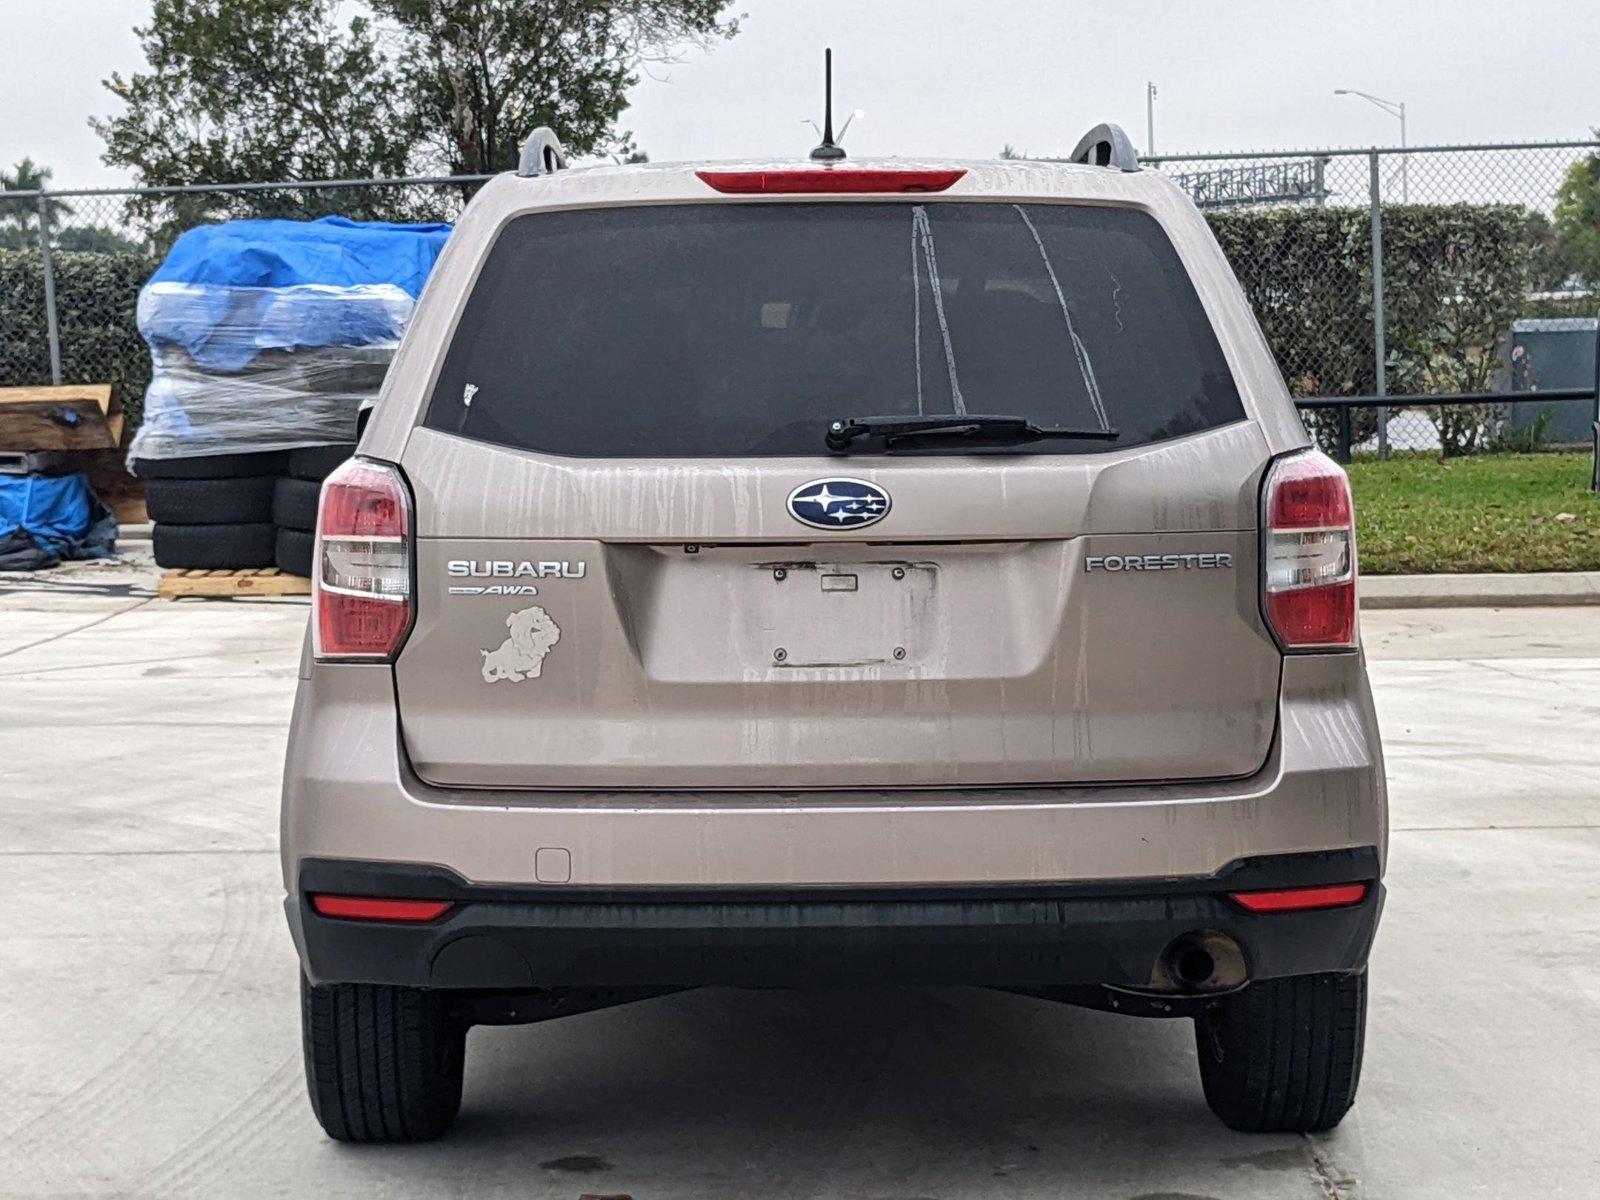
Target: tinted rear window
744, 329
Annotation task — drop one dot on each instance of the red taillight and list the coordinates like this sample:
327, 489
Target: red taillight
377, 908
1339, 895
361, 585
1308, 554
831, 179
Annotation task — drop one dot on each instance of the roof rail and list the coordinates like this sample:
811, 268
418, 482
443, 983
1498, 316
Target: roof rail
542, 153
1106, 146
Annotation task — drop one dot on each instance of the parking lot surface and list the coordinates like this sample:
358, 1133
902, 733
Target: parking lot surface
150, 1042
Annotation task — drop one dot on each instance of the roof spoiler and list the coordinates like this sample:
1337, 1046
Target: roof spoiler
542, 153
1106, 146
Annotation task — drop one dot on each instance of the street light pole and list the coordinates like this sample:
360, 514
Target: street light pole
1150, 118
1395, 108
1405, 159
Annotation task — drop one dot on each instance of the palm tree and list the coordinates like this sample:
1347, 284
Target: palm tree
18, 221
28, 176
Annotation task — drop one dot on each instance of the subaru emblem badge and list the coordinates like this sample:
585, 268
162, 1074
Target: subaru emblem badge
838, 503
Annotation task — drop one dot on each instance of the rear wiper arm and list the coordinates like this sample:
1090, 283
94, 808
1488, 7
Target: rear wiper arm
993, 430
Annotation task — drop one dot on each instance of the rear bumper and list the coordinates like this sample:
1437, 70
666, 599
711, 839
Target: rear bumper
350, 795
1102, 933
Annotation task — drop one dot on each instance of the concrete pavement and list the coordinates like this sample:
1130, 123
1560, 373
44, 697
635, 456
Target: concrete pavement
150, 1041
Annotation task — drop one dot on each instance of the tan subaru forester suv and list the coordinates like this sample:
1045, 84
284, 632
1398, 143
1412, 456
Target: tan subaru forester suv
815, 574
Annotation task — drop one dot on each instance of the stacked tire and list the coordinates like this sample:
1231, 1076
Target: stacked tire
213, 512
238, 511
294, 505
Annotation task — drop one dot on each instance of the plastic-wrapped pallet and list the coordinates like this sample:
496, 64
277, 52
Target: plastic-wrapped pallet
268, 335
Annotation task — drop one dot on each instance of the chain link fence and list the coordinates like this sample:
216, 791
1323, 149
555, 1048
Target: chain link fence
1431, 271
1434, 271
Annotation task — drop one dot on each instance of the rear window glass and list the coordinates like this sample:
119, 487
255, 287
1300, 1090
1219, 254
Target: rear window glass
744, 329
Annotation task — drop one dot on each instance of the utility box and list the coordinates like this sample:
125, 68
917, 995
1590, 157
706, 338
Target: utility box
1552, 353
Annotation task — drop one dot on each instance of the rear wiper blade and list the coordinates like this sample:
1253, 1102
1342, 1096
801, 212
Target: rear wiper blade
988, 429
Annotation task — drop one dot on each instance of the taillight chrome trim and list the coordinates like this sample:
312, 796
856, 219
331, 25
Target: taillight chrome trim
317, 579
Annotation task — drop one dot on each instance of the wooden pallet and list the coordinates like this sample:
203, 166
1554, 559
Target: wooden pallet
221, 584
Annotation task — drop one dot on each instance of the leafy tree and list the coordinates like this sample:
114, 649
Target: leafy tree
97, 239
480, 74
260, 90
240, 91
1578, 215
1550, 263
247, 90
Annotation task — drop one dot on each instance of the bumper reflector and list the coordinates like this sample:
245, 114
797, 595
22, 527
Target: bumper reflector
375, 908
1339, 895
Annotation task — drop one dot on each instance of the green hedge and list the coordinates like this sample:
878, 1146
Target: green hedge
1306, 271
1455, 276
96, 298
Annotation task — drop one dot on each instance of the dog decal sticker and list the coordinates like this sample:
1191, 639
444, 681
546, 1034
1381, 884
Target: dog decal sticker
521, 656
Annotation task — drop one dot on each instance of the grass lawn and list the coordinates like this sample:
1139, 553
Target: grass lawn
1500, 512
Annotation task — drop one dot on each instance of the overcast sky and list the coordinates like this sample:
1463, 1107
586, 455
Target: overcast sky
962, 78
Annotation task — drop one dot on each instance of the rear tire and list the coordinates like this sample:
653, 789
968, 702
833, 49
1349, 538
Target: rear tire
383, 1064
1284, 1055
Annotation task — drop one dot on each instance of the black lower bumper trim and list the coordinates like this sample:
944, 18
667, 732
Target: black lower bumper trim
526, 938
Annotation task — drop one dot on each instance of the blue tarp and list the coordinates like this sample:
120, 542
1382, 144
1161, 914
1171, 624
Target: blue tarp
334, 251
227, 292
59, 512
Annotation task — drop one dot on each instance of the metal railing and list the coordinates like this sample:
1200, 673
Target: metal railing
1343, 406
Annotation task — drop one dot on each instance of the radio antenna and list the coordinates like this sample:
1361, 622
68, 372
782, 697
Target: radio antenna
828, 150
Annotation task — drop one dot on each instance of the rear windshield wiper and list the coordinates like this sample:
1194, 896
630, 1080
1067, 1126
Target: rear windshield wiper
973, 427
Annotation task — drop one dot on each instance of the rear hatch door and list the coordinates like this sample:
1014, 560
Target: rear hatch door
639, 566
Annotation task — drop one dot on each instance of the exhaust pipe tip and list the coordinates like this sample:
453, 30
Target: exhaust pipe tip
1193, 965
1204, 960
